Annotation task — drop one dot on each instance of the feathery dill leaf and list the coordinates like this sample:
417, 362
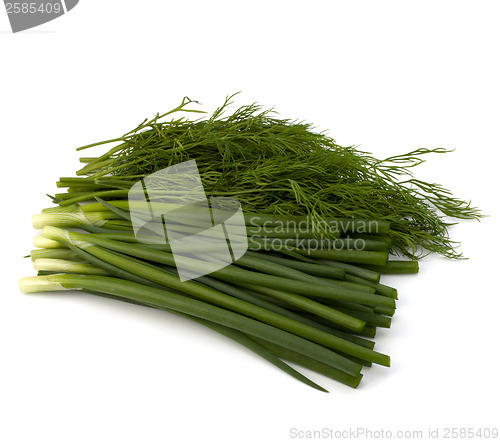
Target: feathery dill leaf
285, 167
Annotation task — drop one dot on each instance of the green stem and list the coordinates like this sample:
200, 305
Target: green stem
395, 267
58, 253
310, 306
351, 285
91, 195
350, 269
381, 289
371, 319
269, 303
350, 256
311, 364
67, 266
311, 269
232, 273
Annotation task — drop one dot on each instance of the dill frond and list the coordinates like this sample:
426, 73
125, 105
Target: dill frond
283, 167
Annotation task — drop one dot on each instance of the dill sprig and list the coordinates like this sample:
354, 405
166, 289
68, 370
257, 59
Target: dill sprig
284, 167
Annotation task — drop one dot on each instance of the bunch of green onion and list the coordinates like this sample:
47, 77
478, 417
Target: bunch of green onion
286, 299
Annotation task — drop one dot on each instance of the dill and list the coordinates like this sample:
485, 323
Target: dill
284, 167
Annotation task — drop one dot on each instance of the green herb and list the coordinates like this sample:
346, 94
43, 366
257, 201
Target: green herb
282, 167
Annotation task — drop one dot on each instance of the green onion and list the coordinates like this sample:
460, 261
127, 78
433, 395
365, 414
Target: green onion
229, 274
62, 265
312, 269
381, 289
350, 256
362, 272
394, 267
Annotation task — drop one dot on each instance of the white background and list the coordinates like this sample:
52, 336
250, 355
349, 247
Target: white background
390, 76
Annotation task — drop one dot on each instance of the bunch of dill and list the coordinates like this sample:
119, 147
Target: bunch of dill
283, 167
